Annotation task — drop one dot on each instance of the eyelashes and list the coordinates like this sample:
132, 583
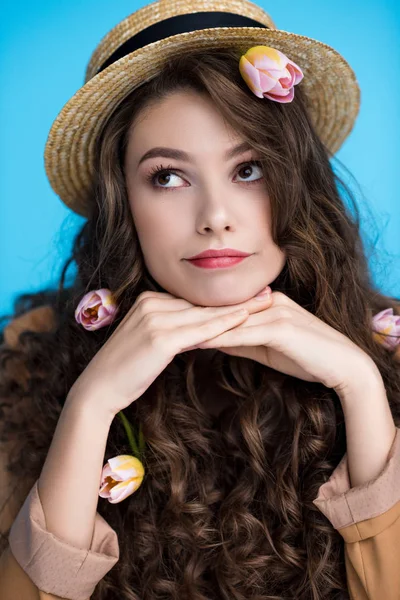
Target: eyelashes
169, 169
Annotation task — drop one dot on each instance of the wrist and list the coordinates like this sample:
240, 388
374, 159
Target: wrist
363, 381
89, 404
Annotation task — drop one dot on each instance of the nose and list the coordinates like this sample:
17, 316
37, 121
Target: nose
215, 213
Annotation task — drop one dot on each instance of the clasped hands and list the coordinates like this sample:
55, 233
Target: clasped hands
281, 334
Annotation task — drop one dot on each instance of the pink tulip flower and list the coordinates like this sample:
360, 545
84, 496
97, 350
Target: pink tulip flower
96, 309
385, 322
269, 73
120, 477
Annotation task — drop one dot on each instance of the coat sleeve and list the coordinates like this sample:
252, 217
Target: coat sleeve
34, 563
368, 519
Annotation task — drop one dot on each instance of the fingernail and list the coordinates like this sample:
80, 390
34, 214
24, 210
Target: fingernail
263, 295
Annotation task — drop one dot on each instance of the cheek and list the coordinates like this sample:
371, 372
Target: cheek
260, 217
157, 229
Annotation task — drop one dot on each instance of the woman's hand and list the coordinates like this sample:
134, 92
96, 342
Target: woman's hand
287, 338
155, 329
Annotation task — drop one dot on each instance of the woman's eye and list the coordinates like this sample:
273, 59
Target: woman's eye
249, 167
162, 175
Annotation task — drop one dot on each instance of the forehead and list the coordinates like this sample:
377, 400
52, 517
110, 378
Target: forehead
175, 112
184, 120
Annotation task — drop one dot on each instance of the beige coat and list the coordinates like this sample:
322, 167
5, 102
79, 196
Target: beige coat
36, 565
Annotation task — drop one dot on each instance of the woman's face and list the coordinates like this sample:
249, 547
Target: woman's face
207, 199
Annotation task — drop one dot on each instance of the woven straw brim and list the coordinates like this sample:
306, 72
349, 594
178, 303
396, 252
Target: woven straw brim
329, 83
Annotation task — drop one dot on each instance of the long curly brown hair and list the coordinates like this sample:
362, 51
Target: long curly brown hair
225, 509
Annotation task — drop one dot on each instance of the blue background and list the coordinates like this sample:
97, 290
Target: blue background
44, 49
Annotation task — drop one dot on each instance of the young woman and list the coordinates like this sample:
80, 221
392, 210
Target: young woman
269, 451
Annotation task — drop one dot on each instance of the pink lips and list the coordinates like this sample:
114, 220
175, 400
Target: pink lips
212, 252
218, 258
217, 262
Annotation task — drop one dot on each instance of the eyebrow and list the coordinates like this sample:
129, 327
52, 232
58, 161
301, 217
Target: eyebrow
160, 151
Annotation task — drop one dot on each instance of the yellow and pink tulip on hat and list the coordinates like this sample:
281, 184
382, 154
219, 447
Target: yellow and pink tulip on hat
269, 73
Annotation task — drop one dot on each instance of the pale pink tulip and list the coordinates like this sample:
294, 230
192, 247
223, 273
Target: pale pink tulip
269, 73
385, 322
120, 477
96, 309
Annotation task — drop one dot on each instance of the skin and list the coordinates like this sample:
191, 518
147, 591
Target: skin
209, 202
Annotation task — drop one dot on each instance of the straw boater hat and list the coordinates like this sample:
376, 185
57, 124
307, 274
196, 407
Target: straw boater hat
134, 51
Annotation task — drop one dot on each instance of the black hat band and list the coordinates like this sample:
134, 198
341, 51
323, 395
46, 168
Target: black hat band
179, 24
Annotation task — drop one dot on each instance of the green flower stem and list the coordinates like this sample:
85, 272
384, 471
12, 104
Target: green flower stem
129, 432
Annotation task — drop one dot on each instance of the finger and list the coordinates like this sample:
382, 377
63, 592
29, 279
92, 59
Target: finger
248, 336
153, 301
281, 299
289, 309
290, 315
182, 311
191, 335
253, 304
150, 302
271, 315
193, 316
166, 302
279, 335
258, 304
